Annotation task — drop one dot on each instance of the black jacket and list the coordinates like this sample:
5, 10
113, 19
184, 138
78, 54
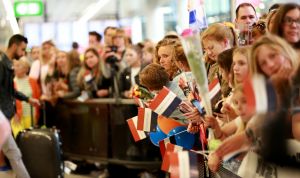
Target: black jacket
7, 92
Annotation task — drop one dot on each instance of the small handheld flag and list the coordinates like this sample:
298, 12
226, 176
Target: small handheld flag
147, 120
137, 134
165, 102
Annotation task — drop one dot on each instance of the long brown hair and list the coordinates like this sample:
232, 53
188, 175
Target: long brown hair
279, 19
84, 68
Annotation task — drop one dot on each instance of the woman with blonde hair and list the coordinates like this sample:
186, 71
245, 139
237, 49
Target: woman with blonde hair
165, 56
272, 56
39, 68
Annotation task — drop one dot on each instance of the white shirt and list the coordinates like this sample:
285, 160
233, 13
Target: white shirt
39, 70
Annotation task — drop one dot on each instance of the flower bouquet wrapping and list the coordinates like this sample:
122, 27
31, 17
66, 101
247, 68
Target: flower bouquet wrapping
193, 51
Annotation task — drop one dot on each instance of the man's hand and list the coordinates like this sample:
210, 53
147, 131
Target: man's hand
34, 102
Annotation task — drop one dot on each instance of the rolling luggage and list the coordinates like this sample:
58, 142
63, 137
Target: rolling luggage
41, 152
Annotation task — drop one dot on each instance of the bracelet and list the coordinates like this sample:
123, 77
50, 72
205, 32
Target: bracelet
250, 135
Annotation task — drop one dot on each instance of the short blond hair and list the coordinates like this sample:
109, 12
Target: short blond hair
276, 43
24, 62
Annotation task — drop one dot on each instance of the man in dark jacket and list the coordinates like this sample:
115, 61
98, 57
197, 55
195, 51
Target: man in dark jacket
16, 49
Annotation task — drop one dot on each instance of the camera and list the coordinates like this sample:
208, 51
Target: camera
112, 59
113, 48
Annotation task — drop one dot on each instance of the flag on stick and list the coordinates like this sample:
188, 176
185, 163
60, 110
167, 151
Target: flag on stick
147, 120
165, 102
137, 134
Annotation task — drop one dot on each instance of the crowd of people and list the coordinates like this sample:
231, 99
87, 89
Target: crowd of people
269, 45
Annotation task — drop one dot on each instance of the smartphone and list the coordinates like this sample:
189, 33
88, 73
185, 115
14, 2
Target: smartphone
197, 104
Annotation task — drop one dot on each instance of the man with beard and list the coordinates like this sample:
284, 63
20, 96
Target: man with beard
16, 49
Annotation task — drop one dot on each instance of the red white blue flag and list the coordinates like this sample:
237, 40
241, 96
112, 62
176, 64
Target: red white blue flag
147, 120
168, 148
183, 164
261, 95
197, 17
165, 102
214, 88
137, 134
214, 91
139, 102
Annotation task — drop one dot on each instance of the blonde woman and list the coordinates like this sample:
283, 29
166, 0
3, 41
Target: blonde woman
39, 68
273, 57
165, 56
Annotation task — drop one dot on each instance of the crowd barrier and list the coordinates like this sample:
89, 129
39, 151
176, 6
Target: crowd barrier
97, 130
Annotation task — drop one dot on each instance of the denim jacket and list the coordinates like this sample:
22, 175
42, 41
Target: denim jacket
7, 92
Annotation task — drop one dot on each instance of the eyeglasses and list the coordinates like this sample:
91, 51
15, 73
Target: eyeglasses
290, 21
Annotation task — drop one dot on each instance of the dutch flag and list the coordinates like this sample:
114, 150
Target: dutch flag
183, 164
147, 120
214, 91
261, 95
137, 134
168, 148
214, 88
197, 17
165, 102
139, 102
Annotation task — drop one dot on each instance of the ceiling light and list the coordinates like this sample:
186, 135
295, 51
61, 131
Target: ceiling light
92, 10
11, 17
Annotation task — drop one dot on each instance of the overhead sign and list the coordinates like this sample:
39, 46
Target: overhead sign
28, 8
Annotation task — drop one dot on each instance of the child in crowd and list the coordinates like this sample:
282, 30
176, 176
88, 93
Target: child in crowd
30, 88
238, 124
154, 77
276, 60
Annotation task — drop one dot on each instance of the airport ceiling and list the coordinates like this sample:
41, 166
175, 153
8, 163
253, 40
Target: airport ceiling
71, 10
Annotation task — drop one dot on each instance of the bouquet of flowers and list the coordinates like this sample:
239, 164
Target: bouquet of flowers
192, 48
142, 93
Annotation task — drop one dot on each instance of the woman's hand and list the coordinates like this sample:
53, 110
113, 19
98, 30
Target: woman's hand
229, 112
127, 94
194, 116
193, 127
102, 93
211, 121
185, 107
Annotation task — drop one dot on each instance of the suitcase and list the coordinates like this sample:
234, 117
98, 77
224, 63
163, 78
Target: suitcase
41, 152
